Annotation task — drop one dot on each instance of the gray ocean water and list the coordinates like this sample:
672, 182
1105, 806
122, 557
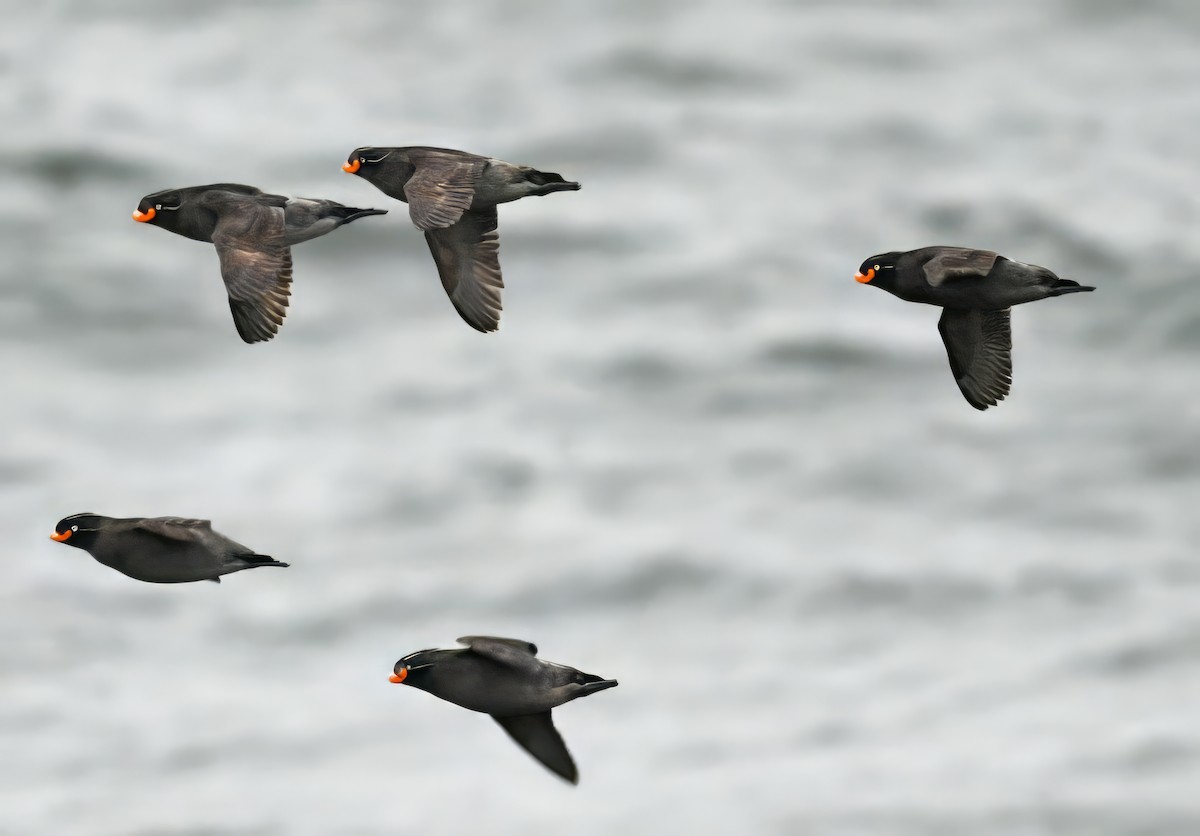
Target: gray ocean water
697, 457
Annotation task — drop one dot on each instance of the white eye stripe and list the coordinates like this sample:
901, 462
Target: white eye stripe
381, 159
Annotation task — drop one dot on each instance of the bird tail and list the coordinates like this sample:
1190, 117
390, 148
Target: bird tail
1060, 286
256, 560
549, 182
349, 213
597, 685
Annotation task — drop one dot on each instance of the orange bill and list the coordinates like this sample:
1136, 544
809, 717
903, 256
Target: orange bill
59, 538
352, 167
142, 217
864, 278
398, 677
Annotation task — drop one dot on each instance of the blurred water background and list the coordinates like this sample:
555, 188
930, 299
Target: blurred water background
697, 457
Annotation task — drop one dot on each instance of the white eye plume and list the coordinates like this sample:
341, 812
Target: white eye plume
377, 160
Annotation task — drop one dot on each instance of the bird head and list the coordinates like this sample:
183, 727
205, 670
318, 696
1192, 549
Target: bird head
157, 208
77, 530
879, 270
411, 669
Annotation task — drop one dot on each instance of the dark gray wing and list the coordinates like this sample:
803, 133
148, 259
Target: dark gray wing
174, 528
500, 649
536, 734
302, 215
256, 264
467, 255
979, 345
186, 530
441, 188
959, 263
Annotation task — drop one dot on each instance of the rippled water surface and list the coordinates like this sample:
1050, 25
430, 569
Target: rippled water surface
697, 457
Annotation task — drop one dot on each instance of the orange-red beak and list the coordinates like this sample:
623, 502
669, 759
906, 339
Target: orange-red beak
352, 167
865, 277
60, 538
142, 217
399, 677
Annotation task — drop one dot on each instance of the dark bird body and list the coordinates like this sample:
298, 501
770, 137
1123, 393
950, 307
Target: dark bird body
159, 549
253, 232
975, 289
452, 197
504, 678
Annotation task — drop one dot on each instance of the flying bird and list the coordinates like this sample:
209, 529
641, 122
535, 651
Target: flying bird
975, 289
452, 198
253, 232
504, 678
159, 549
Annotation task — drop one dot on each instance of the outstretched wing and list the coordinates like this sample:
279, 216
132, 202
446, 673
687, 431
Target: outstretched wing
959, 263
535, 733
467, 255
979, 345
441, 188
256, 264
